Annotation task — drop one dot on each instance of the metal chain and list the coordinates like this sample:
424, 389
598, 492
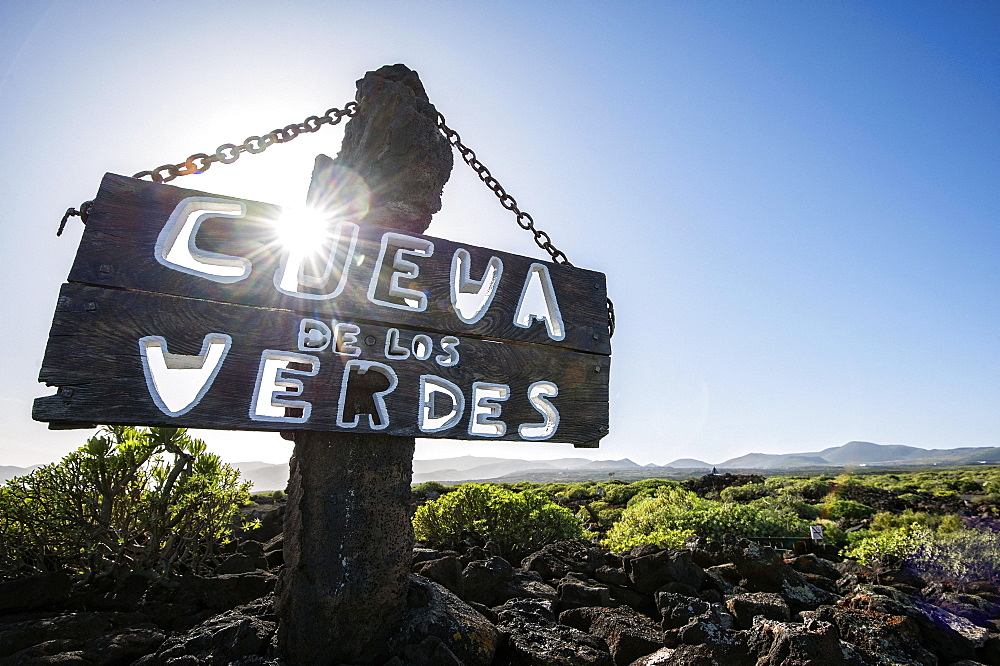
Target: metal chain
524, 220
228, 153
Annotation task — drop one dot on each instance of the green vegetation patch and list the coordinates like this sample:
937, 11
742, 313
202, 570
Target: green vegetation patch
131, 499
673, 515
518, 522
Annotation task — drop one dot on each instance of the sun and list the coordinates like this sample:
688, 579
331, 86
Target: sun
303, 230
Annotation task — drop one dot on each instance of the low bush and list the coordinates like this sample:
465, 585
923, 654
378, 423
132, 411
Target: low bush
672, 515
840, 509
624, 494
747, 493
957, 555
131, 499
881, 549
518, 522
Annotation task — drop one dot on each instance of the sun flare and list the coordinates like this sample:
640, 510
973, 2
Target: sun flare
303, 230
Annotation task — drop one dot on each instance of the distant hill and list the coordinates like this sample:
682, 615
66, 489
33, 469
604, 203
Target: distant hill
264, 476
688, 463
8, 472
774, 461
611, 464
854, 453
270, 476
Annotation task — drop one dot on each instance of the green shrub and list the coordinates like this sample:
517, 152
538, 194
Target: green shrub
623, 494
839, 509
600, 512
884, 548
431, 486
518, 523
129, 500
576, 493
746, 493
884, 521
812, 489
960, 556
672, 515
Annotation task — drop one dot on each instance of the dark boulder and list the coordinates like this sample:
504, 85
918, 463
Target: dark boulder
713, 626
767, 605
239, 634
677, 610
577, 591
761, 569
556, 560
445, 571
629, 635
231, 590
813, 643
86, 637
483, 580
42, 590
949, 636
437, 624
878, 637
662, 657
728, 652
611, 575
532, 637
811, 564
650, 572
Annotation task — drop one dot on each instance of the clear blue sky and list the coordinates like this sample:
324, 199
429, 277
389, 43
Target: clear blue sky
796, 204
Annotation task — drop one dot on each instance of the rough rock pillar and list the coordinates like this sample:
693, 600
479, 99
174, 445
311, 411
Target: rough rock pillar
348, 537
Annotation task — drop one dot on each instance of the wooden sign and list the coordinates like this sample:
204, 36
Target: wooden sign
187, 309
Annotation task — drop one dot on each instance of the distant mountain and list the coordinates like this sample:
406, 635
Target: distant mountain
8, 472
624, 463
270, 476
489, 471
687, 463
774, 461
856, 453
264, 476
463, 463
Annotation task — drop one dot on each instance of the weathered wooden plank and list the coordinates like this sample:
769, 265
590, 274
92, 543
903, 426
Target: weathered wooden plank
94, 356
128, 216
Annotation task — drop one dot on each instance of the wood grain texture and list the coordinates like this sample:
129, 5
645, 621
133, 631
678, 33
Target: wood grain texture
93, 355
117, 250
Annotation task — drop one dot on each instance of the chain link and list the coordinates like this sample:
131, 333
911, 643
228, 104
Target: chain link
524, 220
228, 153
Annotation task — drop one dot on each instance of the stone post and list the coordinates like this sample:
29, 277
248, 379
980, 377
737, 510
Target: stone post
348, 537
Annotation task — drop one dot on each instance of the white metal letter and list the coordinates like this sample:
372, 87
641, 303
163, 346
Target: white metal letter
471, 298
406, 299
537, 395
274, 386
486, 411
430, 385
178, 382
175, 247
538, 301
